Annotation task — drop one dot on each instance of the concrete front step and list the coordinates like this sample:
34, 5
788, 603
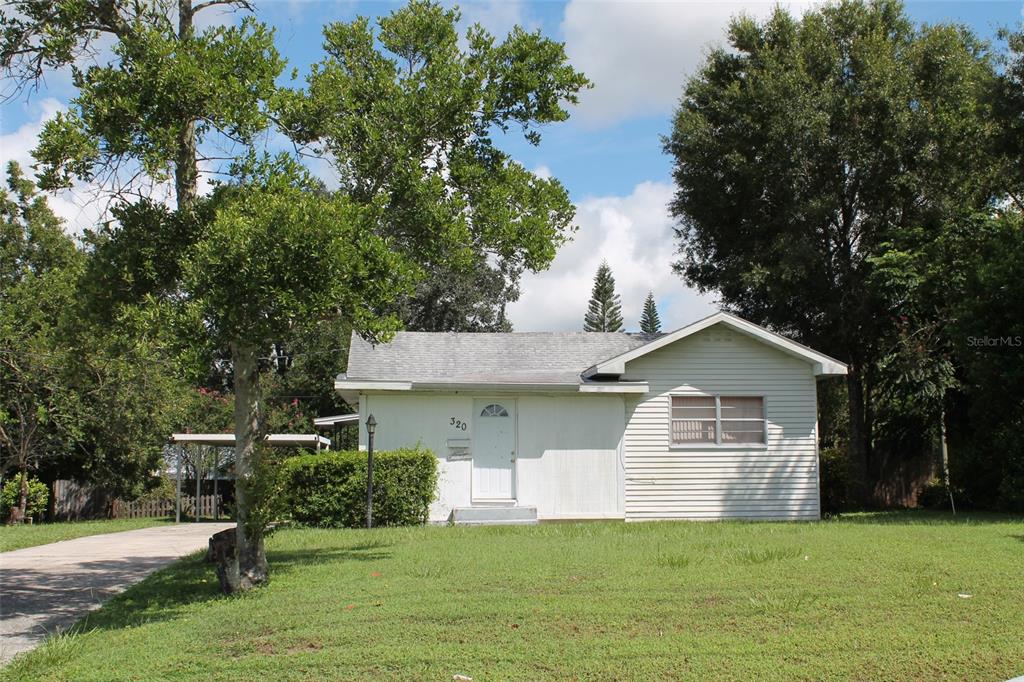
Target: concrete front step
494, 516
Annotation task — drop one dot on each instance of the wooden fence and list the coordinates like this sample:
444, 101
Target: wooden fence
72, 501
142, 509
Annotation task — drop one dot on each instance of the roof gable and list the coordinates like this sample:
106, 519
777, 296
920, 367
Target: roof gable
823, 365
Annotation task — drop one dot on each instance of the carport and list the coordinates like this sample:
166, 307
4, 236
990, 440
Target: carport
220, 441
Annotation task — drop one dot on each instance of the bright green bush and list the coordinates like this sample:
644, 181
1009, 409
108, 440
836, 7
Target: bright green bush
38, 496
328, 489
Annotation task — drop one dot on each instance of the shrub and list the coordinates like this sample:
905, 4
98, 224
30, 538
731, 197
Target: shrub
935, 495
38, 496
328, 489
833, 480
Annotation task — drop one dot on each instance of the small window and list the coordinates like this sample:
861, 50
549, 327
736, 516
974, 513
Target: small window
742, 419
693, 419
726, 420
494, 410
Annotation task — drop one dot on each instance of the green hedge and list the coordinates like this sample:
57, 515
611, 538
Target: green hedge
10, 496
328, 489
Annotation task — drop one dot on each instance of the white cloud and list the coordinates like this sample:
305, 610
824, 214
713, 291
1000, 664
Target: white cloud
497, 16
543, 172
639, 54
85, 204
78, 209
634, 234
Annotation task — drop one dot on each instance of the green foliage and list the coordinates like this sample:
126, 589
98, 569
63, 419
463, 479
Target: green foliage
163, 93
39, 411
650, 323
1010, 112
38, 497
165, 488
267, 491
81, 398
604, 312
407, 114
278, 252
329, 488
833, 483
815, 160
310, 356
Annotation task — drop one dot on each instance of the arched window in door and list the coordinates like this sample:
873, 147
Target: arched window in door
494, 410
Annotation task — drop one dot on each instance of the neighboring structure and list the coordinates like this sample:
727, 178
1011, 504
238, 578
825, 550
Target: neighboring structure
344, 429
224, 441
715, 420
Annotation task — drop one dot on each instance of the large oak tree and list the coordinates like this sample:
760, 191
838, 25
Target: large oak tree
805, 149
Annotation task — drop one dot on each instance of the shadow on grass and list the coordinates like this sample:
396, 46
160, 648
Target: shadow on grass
168, 592
284, 561
906, 517
161, 596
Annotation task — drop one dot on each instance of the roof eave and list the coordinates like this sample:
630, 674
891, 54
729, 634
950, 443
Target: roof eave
353, 388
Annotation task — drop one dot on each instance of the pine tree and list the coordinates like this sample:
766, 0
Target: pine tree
650, 323
604, 313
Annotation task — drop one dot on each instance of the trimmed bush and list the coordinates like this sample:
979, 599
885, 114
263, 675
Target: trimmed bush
38, 496
328, 489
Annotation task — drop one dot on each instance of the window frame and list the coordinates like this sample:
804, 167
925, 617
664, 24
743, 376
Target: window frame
718, 444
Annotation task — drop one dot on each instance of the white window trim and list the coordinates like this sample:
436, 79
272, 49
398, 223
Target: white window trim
718, 444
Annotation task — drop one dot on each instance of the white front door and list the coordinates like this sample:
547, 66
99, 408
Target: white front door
494, 449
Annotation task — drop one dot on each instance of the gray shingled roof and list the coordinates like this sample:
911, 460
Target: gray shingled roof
513, 358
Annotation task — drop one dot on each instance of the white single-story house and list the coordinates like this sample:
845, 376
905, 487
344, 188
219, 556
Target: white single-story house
715, 420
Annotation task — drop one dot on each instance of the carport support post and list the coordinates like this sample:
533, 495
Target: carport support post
199, 458
216, 462
177, 506
371, 426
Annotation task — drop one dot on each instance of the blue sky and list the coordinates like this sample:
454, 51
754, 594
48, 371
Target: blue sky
608, 154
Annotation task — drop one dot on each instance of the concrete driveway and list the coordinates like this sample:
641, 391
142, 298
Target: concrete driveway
47, 588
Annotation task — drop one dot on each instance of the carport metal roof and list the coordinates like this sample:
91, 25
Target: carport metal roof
227, 440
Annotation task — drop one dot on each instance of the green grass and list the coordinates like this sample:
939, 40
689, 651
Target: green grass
869, 597
21, 536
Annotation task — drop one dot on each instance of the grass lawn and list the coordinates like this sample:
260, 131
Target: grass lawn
868, 597
20, 536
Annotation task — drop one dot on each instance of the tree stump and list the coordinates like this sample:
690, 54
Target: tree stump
222, 551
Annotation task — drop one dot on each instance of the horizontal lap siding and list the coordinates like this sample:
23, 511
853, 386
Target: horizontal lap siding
780, 481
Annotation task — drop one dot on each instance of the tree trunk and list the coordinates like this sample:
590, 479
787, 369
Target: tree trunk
23, 495
186, 171
945, 459
249, 566
19, 510
857, 484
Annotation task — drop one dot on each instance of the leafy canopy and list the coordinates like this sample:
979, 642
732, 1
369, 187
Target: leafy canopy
277, 252
165, 88
410, 119
805, 147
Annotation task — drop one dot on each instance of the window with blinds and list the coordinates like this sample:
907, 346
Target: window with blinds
725, 420
693, 419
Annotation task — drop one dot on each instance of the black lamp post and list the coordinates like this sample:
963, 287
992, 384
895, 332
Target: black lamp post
371, 426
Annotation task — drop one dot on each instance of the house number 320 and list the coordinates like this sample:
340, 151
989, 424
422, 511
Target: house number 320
458, 424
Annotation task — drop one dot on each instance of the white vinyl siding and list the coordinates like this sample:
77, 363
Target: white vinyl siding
775, 478
568, 459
